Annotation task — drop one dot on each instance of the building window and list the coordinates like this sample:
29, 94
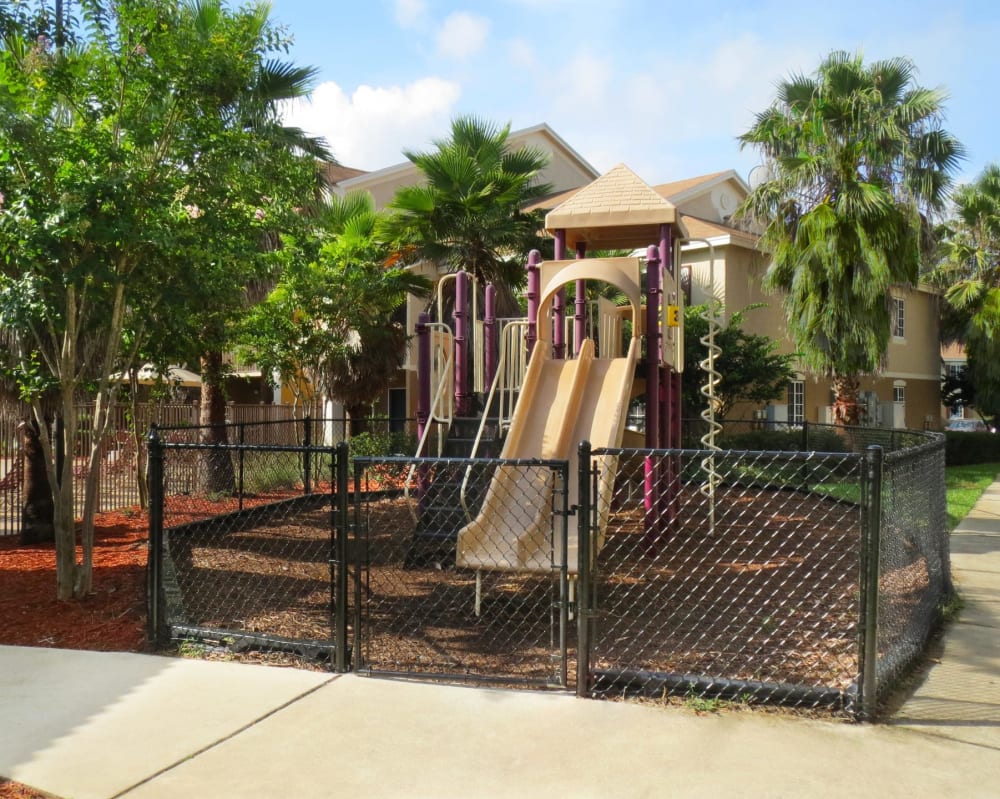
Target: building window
954, 370
898, 317
796, 402
899, 394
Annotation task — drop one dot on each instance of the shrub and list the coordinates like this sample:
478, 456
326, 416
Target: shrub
966, 448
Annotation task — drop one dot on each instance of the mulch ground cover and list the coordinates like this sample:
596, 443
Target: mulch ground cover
111, 618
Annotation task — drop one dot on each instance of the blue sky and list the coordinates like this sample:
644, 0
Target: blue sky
665, 87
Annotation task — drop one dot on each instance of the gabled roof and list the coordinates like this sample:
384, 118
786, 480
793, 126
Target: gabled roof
680, 190
336, 173
704, 229
616, 210
676, 191
515, 139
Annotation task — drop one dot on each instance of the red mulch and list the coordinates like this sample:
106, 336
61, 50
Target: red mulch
112, 618
15, 790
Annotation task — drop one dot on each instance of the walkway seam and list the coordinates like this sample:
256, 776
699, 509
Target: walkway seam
226, 738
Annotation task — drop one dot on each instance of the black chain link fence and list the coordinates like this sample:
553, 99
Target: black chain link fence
728, 575
914, 557
805, 578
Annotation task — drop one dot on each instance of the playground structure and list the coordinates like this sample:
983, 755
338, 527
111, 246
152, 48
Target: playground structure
573, 377
807, 578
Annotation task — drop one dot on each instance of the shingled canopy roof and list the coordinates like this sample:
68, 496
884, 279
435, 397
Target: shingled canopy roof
618, 210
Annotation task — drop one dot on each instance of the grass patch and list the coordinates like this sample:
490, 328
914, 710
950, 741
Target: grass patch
964, 485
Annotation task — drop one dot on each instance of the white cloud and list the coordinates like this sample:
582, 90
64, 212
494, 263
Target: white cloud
462, 35
583, 82
369, 128
521, 53
410, 13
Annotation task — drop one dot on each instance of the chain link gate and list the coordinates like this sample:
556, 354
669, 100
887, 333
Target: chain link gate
457, 570
244, 549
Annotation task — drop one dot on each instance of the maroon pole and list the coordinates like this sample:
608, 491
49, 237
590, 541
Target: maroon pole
579, 326
534, 288
490, 333
461, 341
423, 374
559, 320
652, 348
651, 471
559, 303
666, 415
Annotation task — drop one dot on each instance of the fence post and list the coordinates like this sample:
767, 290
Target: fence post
340, 562
360, 560
241, 454
154, 565
583, 610
871, 498
307, 456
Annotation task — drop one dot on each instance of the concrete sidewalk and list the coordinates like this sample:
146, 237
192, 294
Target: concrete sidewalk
86, 724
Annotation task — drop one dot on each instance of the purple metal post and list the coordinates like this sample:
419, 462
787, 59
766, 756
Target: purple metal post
579, 317
490, 333
559, 303
423, 374
534, 289
461, 343
666, 411
559, 323
651, 466
653, 348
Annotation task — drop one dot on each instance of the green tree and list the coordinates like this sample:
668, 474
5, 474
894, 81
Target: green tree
331, 318
129, 183
857, 162
750, 368
969, 271
469, 213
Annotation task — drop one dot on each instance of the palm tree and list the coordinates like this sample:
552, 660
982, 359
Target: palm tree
366, 344
468, 215
249, 103
970, 273
856, 162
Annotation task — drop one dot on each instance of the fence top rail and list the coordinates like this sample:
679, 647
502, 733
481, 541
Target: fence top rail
373, 460
316, 420
937, 443
195, 445
732, 453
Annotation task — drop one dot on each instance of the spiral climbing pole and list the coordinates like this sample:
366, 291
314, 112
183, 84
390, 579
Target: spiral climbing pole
712, 378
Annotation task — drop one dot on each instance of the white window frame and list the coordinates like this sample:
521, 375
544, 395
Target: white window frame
898, 318
796, 401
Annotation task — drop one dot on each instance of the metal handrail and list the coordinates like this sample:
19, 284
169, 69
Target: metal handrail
448, 403
508, 342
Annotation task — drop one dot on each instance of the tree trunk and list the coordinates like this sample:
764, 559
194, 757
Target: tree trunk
216, 474
358, 414
38, 509
846, 408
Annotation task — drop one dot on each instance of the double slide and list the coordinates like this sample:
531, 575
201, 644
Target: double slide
562, 403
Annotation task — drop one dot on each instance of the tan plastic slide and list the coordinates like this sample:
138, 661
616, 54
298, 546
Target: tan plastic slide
561, 404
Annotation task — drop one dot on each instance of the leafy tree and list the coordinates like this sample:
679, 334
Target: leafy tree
130, 184
856, 162
331, 316
468, 214
969, 271
750, 367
